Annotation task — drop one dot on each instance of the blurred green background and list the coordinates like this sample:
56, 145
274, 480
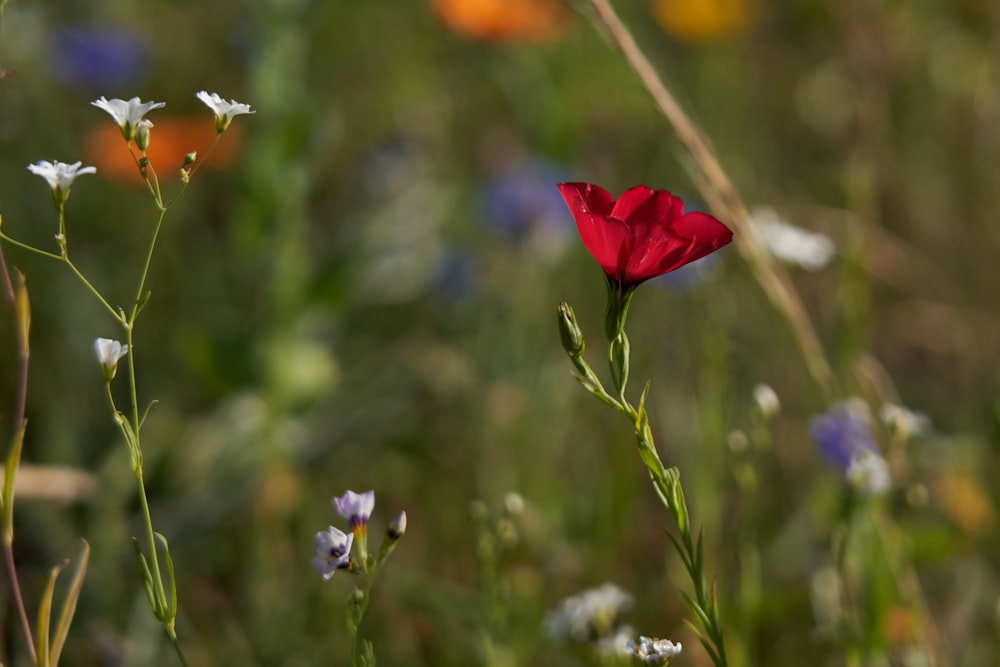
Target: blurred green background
363, 295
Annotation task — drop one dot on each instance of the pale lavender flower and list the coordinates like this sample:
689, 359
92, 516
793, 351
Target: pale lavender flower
109, 353
652, 651
224, 111
127, 113
59, 176
356, 508
333, 551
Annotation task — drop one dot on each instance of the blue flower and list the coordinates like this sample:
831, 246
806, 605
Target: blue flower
843, 432
98, 57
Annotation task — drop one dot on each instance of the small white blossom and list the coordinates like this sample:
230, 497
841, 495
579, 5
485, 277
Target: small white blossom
904, 422
652, 651
790, 243
356, 508
513, 502
109, 353
333, 551
868, 472
767, 400
127, 114
224, 111
59, 176
590, 616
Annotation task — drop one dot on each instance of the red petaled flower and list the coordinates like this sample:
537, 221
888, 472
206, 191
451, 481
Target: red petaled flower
644, 234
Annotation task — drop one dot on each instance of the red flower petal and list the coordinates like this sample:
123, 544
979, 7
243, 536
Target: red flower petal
642, 235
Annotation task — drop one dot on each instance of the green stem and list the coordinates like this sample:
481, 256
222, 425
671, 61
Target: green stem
64, 258
161, 594
172, 634
142, 277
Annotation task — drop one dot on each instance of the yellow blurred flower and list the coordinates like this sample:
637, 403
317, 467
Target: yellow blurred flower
703, 20
961, 498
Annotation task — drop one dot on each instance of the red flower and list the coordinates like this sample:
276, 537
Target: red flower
644, 234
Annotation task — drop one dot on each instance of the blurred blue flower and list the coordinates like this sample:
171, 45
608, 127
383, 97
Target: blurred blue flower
843, 432
845, 439
521, 202
97, 56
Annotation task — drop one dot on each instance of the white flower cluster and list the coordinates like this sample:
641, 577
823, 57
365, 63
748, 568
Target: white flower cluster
652, 651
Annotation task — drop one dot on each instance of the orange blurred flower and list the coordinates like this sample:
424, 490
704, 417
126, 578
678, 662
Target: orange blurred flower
171, 139
504, 20
702, 20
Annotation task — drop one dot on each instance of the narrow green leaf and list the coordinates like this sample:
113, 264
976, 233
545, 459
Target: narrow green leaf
69, 604
44, 616
172, 608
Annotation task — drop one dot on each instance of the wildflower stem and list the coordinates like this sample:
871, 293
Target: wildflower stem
142, 276
161, 595
13, 459
724, 200
666, 482
93, 290
175, 642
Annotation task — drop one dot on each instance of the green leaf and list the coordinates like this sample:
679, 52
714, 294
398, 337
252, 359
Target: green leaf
44, 615
69, 604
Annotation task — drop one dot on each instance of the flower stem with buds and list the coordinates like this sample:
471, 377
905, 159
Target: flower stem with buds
666, 481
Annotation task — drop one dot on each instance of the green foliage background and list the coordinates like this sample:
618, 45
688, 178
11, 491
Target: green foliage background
334, 312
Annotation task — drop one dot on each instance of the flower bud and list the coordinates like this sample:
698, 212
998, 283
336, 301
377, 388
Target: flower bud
109, 352
397, 527
190, 158
569, 331
22, 314
142, 134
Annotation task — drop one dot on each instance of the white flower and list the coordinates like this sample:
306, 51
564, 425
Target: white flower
109, 353
59, 175
653, 651
224, 111
333, 551
127, 114
356, 508
590, 616
869, 473
767, 400
790, 243
904, 422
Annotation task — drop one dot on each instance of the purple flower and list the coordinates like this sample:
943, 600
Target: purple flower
356, 508
333, 551
843, 433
